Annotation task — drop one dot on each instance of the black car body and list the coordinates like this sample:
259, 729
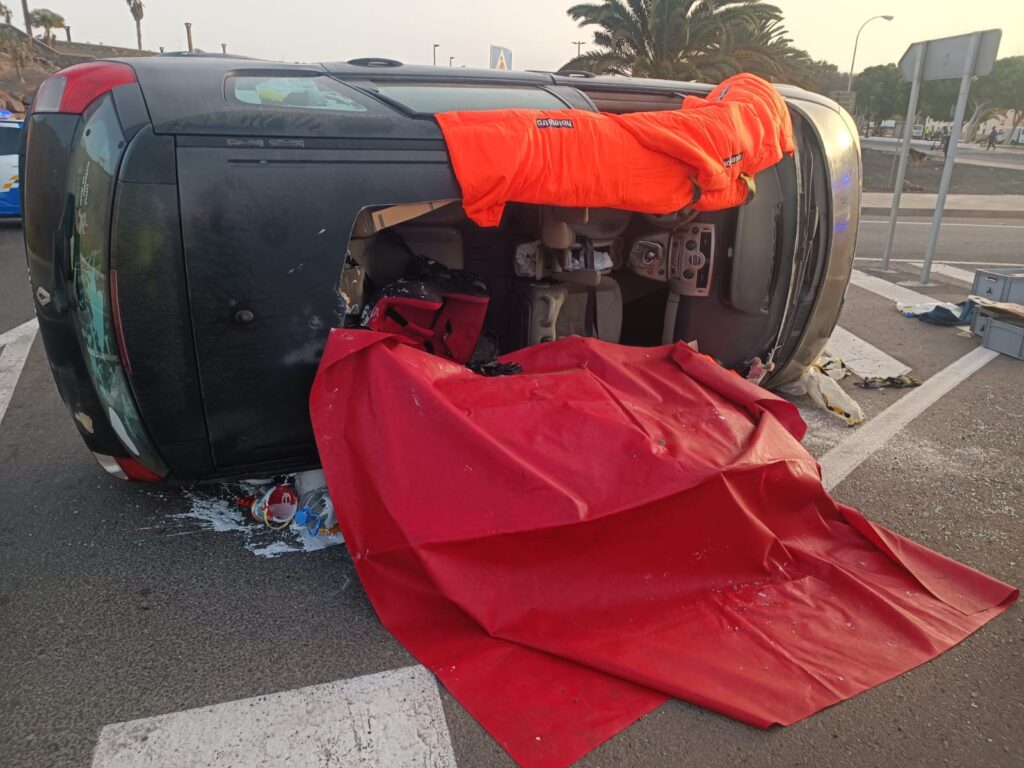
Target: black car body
195, 226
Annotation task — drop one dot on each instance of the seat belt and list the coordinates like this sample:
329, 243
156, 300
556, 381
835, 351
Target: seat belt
590, 314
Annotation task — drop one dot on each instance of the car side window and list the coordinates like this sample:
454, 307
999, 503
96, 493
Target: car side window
9, 136
293, 92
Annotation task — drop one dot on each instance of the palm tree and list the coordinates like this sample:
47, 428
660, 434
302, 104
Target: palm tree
48, 20
674, 39
768, 51
6, 13
136, 8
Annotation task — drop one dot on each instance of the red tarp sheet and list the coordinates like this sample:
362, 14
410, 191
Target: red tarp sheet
567, 547
652, 162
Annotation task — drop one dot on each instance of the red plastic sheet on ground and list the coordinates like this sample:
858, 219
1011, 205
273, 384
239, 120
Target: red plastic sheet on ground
567, 547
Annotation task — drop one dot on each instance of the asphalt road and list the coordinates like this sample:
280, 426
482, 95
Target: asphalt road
112, 609
1001, 156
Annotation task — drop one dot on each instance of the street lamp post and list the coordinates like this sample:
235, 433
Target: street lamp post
450, 60
436, 46
579, 45
849, 83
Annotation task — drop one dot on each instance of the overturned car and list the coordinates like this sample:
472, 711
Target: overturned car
195, 226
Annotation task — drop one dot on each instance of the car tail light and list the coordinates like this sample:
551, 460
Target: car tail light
115, 311
73, 89
126, 469
134, 470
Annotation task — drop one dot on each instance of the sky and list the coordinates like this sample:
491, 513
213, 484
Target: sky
539, 32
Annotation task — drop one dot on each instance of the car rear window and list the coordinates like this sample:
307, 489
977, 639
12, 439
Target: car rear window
99, 145
294, 92
9, 140
429, 98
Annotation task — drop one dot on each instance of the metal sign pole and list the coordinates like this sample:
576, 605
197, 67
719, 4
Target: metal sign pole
922, 49
947, 171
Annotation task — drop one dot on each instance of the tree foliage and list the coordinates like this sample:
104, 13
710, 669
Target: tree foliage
881, 92
704, 40
48, 21
825, 77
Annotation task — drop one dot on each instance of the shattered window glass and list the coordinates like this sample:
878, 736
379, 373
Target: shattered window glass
298, 92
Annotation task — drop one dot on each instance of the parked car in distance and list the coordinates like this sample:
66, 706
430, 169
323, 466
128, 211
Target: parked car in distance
195, 226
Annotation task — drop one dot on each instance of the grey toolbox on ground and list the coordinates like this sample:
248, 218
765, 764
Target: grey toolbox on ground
1004, 335
999, 284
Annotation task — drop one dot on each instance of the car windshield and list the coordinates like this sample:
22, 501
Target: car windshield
429, 98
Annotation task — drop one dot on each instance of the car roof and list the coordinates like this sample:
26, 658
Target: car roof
203, 107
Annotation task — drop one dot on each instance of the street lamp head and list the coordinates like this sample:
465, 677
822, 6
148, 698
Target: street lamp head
888, 18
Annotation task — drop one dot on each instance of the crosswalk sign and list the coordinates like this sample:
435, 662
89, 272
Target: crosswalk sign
501, 58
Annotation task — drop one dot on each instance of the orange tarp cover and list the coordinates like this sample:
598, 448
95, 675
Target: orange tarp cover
650, 162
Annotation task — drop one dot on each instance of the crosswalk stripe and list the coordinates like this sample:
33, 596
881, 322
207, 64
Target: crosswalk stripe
392, 718
887, 290
853, 450
947, 270
14, 348
863, 358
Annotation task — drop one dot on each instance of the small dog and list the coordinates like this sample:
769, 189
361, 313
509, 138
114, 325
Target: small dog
918, 158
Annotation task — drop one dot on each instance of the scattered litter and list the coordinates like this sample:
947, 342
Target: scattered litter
896, 382
219, 510
822, 388
758, 370
938, 312
276, 507
316, 512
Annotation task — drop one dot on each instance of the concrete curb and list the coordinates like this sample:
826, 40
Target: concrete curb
948, 213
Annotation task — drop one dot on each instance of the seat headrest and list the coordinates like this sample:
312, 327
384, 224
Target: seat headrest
556, 230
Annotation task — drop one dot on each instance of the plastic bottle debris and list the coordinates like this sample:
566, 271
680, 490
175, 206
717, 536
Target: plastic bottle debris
316, 512
276, 507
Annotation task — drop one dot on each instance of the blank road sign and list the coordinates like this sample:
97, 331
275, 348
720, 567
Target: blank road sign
945, 58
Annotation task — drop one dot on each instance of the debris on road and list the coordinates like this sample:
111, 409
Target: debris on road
612, 527
275, 506
939, 312
218, 510
818, 382
896, 382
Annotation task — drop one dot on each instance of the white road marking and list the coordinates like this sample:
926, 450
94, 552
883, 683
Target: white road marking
863, 358
14, 348
388, 719
852, 451
945, 224
975, 264
887, 290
